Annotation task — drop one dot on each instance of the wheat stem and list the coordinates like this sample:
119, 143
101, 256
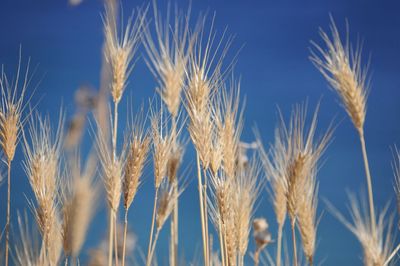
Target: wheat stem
293, 223
148, 260
124, 240
115, 240
206, 215
174, 227
110, 238
369, 184
66, 261
8, 209
153, 248
221, 241
201, 209
279, 245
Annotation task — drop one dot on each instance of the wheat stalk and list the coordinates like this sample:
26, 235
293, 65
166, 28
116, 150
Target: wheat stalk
11, 108
343, 70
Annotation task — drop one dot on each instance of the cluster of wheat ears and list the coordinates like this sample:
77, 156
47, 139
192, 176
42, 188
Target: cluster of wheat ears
199, 94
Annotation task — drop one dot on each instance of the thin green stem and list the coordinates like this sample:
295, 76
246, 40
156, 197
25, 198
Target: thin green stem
369, 184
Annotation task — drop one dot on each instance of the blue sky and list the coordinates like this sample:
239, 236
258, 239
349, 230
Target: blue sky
65, 42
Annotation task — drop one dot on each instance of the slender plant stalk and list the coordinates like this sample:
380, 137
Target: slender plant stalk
221, 241
115, 241
148, 260
124, 240
279, 247
293, 224
153, 247
8, 209
369, 184
66, 261
110, 238
206, 215
174, 227
203, 232
392, 255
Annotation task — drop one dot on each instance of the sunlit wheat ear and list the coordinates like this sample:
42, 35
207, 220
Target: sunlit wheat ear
229, 123
246, 191
120, 48
342, 68
307, 216
305, 154
165, 204
139, 145
78, 205
112, 170
163, 139
169, 54
205, 74
222, 214
11, 108
42, 156
376, 250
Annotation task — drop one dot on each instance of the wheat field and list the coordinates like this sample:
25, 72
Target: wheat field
192, 167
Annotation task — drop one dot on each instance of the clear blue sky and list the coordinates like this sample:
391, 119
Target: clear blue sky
65, 45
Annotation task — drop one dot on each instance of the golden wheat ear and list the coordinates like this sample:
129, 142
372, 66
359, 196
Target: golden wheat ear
342, 68
168, 55
121, 47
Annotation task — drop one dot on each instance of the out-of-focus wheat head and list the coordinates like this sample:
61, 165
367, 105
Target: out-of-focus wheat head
307, 216
376, 250
275, 166
175, 156
342, 68
112, 170
169, 54
139, 145
246, 190
11, 108
79, 204
42, 157
163, 139
165, 204
120, 48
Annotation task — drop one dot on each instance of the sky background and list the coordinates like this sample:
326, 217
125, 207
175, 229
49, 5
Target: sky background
64, 44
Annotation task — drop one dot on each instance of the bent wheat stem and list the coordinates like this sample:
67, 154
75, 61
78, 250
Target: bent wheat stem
369, 184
